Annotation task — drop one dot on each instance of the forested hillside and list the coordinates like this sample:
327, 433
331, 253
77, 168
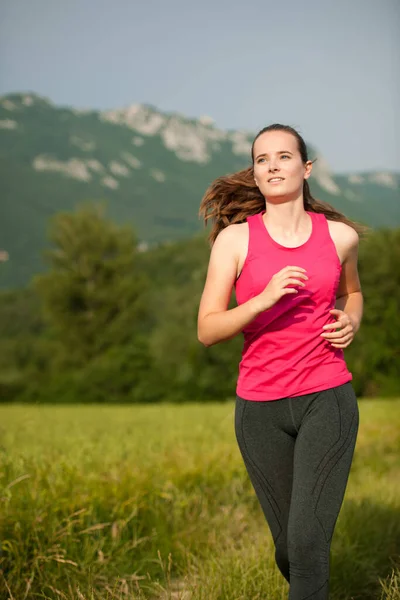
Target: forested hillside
150, 168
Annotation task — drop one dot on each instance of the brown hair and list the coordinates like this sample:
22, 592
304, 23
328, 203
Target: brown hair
231, 198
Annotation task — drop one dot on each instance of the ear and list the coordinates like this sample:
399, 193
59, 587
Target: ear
308, 170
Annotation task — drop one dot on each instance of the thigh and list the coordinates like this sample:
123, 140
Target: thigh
266, 441
322, 460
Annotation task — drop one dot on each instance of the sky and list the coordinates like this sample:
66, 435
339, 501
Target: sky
329, 68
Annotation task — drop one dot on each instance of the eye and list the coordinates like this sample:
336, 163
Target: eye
260, 159
287, 156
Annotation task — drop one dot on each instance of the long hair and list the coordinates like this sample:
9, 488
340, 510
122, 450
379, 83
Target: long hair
231, 198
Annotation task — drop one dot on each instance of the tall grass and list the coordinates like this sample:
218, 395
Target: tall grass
146, 502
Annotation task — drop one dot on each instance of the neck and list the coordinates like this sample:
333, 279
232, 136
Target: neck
288, 217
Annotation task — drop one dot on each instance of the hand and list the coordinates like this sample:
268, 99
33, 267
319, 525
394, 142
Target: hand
276, 287
344, 334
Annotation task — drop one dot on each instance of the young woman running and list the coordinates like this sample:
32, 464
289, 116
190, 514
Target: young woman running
293, 263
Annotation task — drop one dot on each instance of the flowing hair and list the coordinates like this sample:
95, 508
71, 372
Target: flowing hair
231, 198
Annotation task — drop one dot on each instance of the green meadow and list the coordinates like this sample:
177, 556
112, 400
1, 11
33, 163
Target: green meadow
153, 502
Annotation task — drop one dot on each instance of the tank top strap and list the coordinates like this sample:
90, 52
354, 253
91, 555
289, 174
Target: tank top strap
257, 238
321, 233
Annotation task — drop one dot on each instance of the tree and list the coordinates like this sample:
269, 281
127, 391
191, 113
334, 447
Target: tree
93, 296
374, 355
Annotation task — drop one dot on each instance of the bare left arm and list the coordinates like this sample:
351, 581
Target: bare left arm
349, 300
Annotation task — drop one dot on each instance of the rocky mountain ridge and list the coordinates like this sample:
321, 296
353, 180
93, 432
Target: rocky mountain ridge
151, 168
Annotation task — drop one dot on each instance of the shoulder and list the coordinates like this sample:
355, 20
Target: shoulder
232, 235
346, 240
232, 244
343, 234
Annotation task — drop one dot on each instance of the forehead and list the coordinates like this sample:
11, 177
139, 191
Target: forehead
274, 141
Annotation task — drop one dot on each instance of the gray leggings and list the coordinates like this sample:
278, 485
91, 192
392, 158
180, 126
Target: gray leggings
298, 452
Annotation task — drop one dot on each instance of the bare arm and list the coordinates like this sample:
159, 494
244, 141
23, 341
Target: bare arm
349, 297
216, 323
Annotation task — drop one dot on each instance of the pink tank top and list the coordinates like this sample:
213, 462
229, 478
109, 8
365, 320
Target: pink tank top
283, 354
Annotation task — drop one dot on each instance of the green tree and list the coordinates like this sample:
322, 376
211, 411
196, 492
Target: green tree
92, 296
374, 355
192, 371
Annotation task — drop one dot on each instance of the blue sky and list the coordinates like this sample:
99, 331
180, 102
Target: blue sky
331, 69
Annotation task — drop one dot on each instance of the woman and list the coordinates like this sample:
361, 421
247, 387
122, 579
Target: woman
293, 263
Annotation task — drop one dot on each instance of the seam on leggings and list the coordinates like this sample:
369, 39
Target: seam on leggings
345, 443
340, 435
291, 414
268, 498
319, 495
316, 591
259, 474
256, 469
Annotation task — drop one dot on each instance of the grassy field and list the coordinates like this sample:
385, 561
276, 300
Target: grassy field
146, 502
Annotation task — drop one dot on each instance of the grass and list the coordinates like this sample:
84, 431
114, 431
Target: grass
153, 502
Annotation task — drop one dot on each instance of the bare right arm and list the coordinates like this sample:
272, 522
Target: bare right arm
215, 322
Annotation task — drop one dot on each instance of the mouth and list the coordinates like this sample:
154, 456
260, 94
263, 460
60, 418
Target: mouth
275, 180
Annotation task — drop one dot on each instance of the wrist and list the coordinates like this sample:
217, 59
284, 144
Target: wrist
256, 306
355, 321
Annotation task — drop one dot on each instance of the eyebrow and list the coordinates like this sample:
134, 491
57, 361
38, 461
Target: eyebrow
279, 152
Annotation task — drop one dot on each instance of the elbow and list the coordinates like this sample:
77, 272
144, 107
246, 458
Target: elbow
205, 335
203, 339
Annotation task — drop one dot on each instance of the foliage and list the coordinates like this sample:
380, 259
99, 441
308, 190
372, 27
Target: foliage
374, 356
91, 343
92, 295
108, 323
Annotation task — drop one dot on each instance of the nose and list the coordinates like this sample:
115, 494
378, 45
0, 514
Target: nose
272, 167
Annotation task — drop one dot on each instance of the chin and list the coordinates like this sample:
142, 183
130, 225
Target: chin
282, 194
276, 193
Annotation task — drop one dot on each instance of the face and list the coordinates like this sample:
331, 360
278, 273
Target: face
278, 168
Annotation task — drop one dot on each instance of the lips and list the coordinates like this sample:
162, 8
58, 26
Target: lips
276, 179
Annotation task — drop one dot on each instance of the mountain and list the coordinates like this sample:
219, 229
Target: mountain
151, 168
